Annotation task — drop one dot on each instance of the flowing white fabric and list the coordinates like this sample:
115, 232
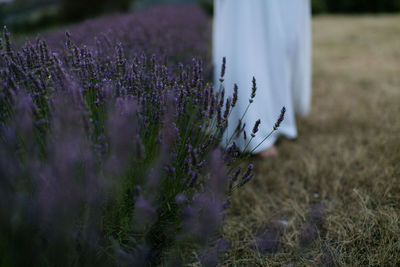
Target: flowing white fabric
270, 40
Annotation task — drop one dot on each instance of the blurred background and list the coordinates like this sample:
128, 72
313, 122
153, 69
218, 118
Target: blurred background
34, 15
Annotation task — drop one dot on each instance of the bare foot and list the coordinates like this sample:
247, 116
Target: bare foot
269, 152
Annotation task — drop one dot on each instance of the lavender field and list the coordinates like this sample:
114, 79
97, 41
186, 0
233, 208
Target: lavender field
110, 150
110, 144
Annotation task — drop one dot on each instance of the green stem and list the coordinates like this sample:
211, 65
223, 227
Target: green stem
263, 141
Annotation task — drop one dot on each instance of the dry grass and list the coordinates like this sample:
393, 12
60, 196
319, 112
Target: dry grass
347, 158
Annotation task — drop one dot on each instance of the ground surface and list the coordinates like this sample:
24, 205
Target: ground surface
347, 159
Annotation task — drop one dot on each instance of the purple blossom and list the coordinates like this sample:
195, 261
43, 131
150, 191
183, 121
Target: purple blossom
181, 199
235, 95
236, 174
227, 108
145, 213
223, 67
247, 176
314, 224
308, 234
267, 241
280, 119
226, 204
255, 129
253, 90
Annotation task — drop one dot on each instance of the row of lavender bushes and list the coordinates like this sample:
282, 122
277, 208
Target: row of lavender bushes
175, 34
109, 148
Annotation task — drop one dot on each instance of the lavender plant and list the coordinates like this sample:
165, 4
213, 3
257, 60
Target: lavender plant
172, 33
110, 155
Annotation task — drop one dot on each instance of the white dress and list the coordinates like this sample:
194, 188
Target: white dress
270, 40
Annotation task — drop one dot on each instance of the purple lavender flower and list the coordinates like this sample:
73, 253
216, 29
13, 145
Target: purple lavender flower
267, 241
255, 129
280, 119
308, 234
236, 174
226, 204
221, 98
181, 199
169, 170
227, 108
6, 36
246, 177
253, 90
235, 95
315, 222
223, 69
145, 212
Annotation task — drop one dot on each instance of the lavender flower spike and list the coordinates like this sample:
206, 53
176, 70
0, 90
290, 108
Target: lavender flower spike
235, 95
253, 90
255, 129
280, 119
227, 108
223, 67
247, 175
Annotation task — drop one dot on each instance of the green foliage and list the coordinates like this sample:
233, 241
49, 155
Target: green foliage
336, 6
318, 6
355, 6
29, 16
207, 5
73, 10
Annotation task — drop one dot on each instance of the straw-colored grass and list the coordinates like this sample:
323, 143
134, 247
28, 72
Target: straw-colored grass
346, 158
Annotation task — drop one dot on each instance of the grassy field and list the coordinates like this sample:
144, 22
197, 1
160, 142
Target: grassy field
344, 169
